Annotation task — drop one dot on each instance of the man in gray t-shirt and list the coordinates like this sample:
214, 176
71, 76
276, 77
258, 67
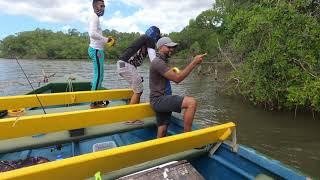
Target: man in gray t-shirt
164, 104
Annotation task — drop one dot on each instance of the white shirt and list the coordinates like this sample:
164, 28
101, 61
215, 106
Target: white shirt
97, 40
152, 54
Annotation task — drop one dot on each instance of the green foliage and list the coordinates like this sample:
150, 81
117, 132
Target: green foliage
1, 49
195, 48
46, 44
123, 40
209, 19
200, 35
280, 46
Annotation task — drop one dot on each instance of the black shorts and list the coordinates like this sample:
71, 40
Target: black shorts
164, 106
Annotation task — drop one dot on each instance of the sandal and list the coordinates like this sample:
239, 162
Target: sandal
100, 104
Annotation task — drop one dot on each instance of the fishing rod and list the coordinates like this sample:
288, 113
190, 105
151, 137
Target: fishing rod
30, 84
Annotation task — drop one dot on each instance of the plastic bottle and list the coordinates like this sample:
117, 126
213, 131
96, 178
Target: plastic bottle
59, 157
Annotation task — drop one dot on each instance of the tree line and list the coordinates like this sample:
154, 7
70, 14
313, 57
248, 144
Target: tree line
276, 47
46, 44
271, 45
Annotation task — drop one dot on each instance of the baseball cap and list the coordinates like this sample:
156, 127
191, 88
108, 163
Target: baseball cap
166, 41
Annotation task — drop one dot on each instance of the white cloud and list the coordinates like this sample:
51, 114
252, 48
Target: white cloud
169, 15
117, 14
66, 28
54, 11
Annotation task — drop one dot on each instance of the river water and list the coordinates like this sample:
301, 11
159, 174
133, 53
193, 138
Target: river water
293, 141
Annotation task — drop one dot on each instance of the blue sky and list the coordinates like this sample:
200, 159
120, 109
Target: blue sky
11, 24
121, 15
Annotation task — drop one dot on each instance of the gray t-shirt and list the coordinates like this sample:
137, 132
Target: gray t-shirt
157, 81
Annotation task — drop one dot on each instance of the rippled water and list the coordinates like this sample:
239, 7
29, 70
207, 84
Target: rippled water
295, 142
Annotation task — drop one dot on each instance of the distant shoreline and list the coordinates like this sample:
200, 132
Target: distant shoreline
173, 59
1, 58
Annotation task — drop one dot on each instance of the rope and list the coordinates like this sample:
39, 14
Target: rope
69, 85
18, 115
30, 85
15, 122
69, 88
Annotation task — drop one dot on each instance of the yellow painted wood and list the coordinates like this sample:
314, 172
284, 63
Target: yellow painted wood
46, 123
28, 101
86, 166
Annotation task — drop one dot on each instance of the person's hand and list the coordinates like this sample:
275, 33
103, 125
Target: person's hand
111, 41
199, 58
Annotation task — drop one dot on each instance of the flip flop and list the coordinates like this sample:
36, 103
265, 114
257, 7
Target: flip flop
100, 104
134, 123
3, 113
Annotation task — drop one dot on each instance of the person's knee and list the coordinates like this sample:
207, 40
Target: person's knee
193, 102
190, 102
137, 94
137, 88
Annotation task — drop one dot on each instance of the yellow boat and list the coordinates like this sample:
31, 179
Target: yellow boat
104, 143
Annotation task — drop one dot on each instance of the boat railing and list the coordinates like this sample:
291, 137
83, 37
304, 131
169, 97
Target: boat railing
66, 98
85, 166
48, 123
233, 144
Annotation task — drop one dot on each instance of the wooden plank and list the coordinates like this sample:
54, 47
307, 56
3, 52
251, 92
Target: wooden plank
28, 101
181, 170
185, 155
37, 124
87, 165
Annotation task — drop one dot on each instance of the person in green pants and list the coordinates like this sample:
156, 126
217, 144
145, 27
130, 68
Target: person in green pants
96, 47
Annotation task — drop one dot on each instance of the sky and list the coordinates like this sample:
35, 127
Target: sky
121, 15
